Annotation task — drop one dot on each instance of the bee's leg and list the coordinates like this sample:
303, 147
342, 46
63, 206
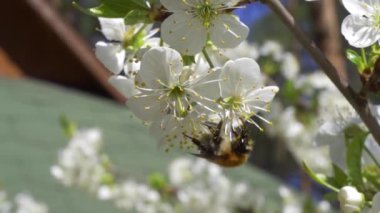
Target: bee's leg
197, 142
206, 149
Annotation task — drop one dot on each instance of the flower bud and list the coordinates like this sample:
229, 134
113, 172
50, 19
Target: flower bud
350, 199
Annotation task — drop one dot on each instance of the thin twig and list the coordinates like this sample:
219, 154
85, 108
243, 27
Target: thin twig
359, 104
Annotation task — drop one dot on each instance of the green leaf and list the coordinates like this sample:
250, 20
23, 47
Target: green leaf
332, 196
290, 92
308, 205
69, 128
117, 9
318, 178
340, 177
125, 5
356, 59
137, 16
100, 11
355, 143
157, 181
372, 175
140, 3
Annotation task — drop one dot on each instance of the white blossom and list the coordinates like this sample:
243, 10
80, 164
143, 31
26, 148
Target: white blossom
242, 94
121, 52
362, 27
140, 198
167, 87
27, 204
332, 134
80, 163
123, 43
5, 204
291, 203
193, 21
202, 186
350, 199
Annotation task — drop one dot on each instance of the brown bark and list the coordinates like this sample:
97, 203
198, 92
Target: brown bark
327, 33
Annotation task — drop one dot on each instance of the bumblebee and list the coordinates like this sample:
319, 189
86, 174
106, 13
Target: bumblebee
224, 150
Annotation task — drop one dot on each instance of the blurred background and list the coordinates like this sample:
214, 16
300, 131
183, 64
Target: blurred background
48, 69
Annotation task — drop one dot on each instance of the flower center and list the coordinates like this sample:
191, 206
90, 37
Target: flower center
176, 91
133, 41
231, 102
177, 95
376, 19
206, 12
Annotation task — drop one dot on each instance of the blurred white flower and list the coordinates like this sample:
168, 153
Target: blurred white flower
80, 163
26, 204
362, 27
289, 66
331, 133
243, 50
134, 197
350, 199
271, 48
202, 186
324, 207
291, 204
106, 192
5, 204
193, 21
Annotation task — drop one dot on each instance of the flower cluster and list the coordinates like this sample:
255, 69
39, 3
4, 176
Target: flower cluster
176, 91
23, 203
191, 185
81, 163
202, 186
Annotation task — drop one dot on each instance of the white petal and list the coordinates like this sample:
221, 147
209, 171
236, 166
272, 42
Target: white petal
124, 85
131, 68
160, 63
111, 55
147, 108
359, 31
261, 96
239, 76
359, 7
230, 3
184, 33
227, 31
112, 28
175, 5
208, 86
328, 134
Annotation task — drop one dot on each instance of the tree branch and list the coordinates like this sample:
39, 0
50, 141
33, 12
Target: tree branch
359, 104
